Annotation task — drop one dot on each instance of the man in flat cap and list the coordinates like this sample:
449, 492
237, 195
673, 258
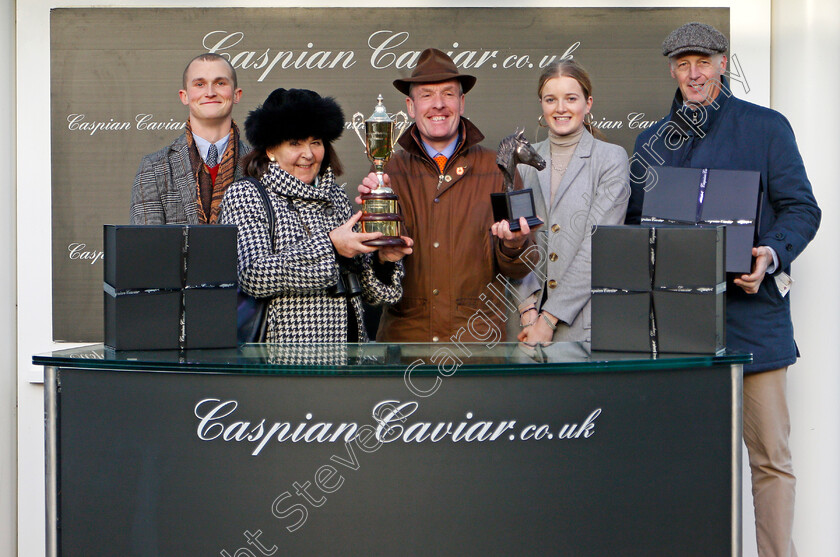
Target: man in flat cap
444, 179
184, 182
710, 128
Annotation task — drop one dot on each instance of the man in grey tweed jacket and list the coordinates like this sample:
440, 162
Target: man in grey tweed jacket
184, 182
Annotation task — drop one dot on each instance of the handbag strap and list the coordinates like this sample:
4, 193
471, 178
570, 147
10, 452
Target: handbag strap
269, 210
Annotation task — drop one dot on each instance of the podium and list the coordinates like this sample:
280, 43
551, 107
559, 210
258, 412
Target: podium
383, 449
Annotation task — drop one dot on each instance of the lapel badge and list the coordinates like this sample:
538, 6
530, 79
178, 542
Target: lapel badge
448, 178
459, 171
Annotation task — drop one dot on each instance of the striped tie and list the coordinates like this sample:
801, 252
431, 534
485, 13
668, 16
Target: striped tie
441, 161
212, 156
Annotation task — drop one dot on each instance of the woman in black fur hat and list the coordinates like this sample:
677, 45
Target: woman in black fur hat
317, 268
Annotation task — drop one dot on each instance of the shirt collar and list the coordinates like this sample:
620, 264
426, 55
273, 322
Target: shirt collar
203, 146
447, 152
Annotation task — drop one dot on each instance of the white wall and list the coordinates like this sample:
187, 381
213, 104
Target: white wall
8, 347
801, 88
804, 85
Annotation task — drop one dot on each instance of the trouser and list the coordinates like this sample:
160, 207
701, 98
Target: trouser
766, 434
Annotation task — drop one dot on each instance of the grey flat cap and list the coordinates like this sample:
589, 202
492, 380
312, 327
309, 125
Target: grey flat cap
694, 37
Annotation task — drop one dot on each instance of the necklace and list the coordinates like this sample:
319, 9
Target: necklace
560, 161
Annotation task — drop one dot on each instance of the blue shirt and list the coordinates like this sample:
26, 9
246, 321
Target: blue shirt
447, 152
204, 146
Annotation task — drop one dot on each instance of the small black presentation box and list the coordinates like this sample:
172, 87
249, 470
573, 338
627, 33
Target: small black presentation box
659, 289
514, 204
703, 196
170, 286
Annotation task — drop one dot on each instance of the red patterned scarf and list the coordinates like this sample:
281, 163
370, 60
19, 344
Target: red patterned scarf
209, 194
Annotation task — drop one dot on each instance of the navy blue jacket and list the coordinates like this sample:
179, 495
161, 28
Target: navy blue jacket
733, 134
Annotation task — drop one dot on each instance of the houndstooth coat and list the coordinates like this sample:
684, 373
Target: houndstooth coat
302, 264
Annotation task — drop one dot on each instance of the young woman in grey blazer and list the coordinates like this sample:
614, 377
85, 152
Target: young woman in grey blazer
584, 184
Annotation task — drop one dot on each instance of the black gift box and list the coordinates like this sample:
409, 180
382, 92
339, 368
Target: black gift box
211, 255
210, 316
708, 197
512, 205
138, 257
658, 289
170, 287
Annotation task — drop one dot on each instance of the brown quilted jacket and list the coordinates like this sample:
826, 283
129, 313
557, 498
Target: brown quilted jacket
455, 256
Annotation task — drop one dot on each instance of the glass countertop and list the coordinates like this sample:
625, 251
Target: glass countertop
382, 359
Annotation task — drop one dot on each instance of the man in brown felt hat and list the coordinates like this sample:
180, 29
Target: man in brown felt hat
444, 179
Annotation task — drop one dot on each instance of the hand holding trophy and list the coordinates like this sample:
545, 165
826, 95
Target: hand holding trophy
380, 211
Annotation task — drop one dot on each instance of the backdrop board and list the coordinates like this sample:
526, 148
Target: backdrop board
115, 73
436, 449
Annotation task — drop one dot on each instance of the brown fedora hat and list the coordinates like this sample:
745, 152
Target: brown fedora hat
434, 66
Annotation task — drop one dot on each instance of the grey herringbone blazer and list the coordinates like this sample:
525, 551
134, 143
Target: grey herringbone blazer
164, 190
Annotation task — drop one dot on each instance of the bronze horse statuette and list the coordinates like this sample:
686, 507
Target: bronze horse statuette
514, 150
513, 204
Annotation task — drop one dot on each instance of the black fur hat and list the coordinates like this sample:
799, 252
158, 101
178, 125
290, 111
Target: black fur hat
293, 114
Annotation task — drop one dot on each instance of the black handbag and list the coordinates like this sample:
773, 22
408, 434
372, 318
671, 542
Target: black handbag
251, 312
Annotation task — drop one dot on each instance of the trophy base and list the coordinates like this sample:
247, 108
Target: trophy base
386, 223
532, 223
510, 206
386, 241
